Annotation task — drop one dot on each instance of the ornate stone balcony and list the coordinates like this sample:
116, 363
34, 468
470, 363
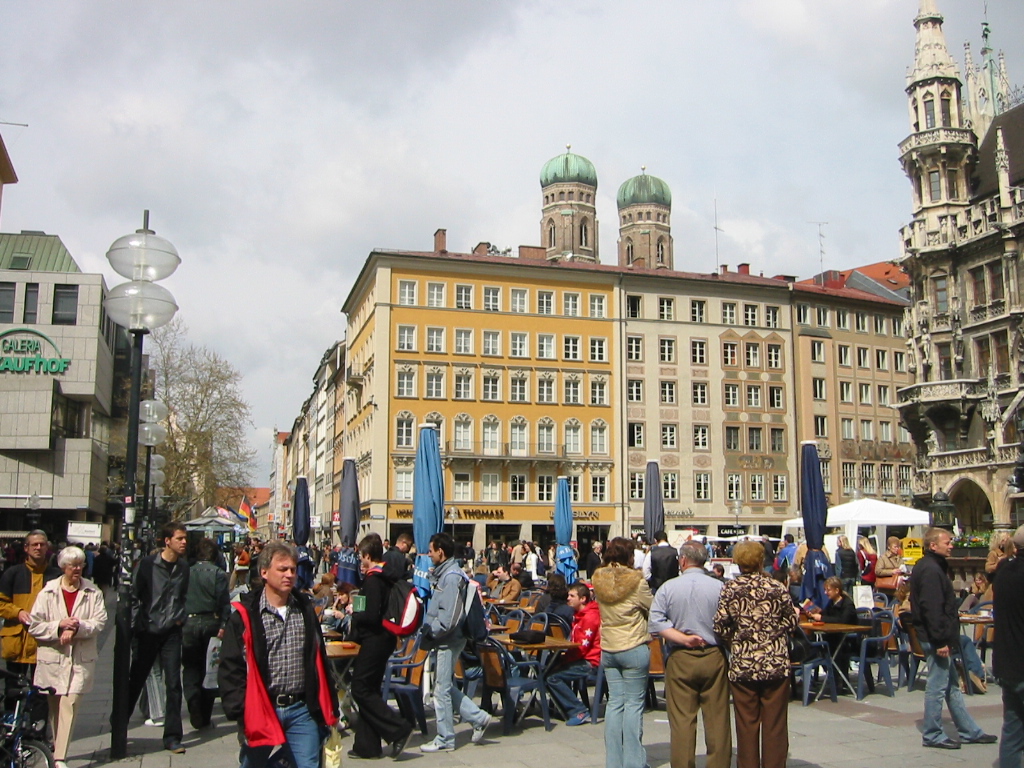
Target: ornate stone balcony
970, 457
939, 391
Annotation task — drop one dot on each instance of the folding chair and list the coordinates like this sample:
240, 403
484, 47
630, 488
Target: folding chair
403, 681
656, 671
510, 678
916, 659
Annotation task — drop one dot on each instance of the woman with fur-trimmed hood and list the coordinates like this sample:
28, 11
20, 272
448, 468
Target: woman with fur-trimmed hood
625, 602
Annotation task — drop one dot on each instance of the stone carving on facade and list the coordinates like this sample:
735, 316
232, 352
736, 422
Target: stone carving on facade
670, 460
404, 461
637, 459
824, 451
703, 462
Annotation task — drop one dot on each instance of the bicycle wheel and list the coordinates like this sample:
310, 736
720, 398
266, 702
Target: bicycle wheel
34, 754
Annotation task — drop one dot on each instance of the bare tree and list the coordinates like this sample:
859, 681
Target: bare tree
207, 446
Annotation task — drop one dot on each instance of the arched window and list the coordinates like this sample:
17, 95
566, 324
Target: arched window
571, 195
661, 251
561, 195
629, 250
583, 234
551, 234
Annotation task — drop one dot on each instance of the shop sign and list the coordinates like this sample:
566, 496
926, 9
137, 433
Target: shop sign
580, 514
680, 513
336, 516
732, 530
21, 351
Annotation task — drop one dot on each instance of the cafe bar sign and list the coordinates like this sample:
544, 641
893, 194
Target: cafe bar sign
22, 350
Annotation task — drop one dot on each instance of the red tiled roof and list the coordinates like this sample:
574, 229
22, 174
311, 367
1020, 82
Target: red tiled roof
843, 293
886, 273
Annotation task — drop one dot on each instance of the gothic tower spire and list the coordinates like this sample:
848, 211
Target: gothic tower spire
937, 154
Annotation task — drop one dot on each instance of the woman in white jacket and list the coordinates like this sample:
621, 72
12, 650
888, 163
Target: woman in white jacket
67, 619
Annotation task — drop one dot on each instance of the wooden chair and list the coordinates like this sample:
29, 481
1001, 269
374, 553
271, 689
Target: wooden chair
558, 627
515, 619
656, 670
917, 661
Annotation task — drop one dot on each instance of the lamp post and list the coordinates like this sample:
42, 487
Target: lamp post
151, 433
943, 511
140, 306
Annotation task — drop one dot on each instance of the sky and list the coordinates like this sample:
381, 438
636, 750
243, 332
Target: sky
276, 144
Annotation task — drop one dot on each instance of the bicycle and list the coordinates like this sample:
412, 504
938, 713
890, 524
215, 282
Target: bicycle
23, 742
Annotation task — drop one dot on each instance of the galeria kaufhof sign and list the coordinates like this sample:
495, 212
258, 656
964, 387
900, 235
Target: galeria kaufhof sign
22, 350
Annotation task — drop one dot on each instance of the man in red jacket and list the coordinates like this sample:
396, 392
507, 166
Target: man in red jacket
578, 663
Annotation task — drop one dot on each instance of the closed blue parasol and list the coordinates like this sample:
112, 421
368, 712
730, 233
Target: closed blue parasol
348, 562
814, 510
654, 502
565, 558
300, 533
427, 502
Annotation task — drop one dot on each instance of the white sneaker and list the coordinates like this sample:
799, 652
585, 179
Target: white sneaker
433, 746
151, 721
479, 730
59, 764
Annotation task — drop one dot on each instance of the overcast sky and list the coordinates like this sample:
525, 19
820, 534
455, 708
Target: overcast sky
277, 143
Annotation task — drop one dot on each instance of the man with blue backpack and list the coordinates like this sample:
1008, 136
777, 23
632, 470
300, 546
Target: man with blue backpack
444, 629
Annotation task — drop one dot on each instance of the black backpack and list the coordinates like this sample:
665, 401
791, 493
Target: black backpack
403, 613
474, 625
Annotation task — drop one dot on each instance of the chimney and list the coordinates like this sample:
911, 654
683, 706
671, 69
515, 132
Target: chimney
725, 269
481, 249
441, 241
743, 269
534, 252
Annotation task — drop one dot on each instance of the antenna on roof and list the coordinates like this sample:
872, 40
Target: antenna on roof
717, 230
821, 249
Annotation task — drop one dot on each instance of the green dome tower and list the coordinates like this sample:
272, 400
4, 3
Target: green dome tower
568, 224
645, 231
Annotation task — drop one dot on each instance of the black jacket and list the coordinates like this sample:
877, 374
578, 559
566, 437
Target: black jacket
664, 565
934, 602
842, 611
158, 595
592, 563
232, 675
396, 564
366, 624
846, 560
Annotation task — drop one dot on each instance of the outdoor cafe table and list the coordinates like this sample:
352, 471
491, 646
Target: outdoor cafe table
341, 655
510, 605
824, 628
552, 647
976, 618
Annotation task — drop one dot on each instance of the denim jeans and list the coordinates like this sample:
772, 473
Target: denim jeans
944, 683
303, 736
560, 686
626, 675
448, 697
1011, 743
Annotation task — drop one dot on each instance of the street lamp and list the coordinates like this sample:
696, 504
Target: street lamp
943, 511
151, 433
140, 306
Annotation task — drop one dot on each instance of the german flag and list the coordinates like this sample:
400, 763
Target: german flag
245, 510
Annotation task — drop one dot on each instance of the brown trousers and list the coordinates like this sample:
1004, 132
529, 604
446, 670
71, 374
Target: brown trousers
762, 724
698, 679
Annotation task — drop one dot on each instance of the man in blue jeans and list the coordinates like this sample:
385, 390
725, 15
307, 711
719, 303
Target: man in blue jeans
936, 619
578, 663
1007, 663
443, 630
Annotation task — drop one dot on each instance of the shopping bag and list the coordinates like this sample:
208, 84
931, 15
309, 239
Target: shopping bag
332, 750
212, 662
863, 596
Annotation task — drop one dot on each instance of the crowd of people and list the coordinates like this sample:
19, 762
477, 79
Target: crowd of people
724, 639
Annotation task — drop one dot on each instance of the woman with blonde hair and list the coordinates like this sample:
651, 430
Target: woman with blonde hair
625, 602
867, 558
755, 618
67, 618
1000, 547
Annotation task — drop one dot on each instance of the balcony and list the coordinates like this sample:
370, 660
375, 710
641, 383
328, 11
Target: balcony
969, 457
533, 451
941, 391
354, 378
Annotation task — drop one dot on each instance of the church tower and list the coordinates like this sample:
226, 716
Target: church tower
938, 153
645, 231
568, 224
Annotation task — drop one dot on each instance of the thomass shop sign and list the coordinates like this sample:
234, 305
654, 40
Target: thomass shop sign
24, 350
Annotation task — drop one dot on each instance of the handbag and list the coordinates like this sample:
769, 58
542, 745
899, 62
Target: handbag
800, 648
212, 664
889, 583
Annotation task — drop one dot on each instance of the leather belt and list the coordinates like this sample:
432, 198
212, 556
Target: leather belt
287, 699
203, 613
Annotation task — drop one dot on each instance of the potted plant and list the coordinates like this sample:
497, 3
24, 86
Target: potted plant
970, 545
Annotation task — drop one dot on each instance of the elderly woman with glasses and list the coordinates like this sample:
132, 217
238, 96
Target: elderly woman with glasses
67, 619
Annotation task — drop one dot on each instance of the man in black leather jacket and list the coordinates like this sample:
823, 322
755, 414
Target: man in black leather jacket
158, 614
